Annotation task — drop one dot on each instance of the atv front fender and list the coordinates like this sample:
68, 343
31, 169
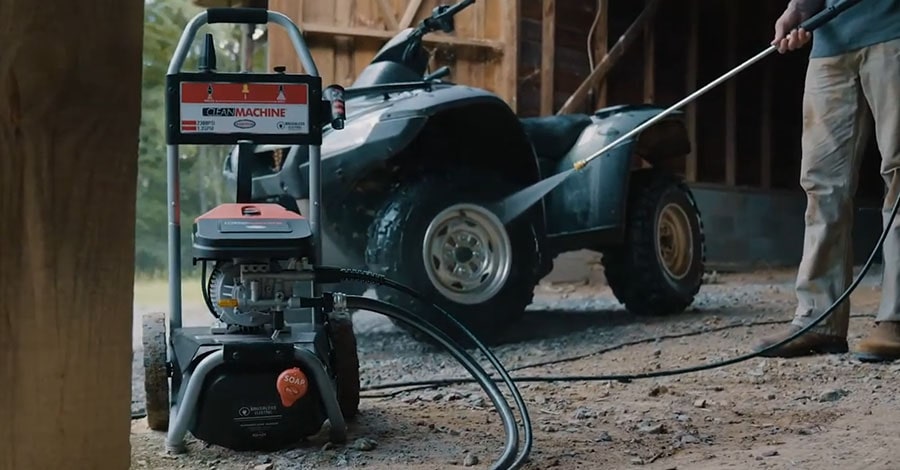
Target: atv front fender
594, 199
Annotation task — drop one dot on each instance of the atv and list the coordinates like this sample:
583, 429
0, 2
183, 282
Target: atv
410, 177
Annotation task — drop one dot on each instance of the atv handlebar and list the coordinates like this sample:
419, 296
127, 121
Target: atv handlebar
442, 17
438, 74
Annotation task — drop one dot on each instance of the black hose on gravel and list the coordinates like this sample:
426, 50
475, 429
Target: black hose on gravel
508, 460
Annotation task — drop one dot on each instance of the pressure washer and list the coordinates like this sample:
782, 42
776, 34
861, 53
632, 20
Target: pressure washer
280, 360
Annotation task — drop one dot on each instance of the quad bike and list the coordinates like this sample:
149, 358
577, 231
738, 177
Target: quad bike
412, 174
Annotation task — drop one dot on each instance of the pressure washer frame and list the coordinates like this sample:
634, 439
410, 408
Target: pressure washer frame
186, 386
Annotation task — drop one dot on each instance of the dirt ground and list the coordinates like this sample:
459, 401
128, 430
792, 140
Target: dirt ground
817, 413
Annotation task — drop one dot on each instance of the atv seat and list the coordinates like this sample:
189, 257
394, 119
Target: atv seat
554, 136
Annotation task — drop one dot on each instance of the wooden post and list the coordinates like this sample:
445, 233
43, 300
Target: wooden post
70, 105
509, 67
693, 63
410, 14
599, 73
649, 64
601, 47
343, 63
387, 13
731, 98
548, 52
280, 50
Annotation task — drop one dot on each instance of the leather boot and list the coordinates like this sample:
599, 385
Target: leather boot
807, 344
882, 344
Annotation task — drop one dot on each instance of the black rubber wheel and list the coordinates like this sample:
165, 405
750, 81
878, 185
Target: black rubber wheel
156, 380
660, 269
468, 263
345, 363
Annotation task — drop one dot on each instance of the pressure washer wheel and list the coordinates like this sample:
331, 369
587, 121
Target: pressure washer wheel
345, 363
156, 380
435, 236
660, 268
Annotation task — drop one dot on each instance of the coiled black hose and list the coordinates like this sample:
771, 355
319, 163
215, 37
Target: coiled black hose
478, 373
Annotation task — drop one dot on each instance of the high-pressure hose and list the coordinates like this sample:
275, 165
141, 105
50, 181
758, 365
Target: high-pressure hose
330, 273
508, 460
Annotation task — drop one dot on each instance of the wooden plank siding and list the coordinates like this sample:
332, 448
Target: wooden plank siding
344, 35
747, 131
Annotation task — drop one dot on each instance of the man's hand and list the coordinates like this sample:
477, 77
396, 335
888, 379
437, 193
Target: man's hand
786, 37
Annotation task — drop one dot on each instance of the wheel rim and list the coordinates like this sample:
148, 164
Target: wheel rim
675, 241
467, 253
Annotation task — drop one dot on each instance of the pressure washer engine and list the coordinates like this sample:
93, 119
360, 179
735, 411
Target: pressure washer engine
264, 395
278, 361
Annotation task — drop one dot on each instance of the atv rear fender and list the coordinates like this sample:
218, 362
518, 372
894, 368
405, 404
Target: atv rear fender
588, 209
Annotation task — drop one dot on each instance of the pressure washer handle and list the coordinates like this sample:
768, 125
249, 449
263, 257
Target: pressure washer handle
237, 15
827, 15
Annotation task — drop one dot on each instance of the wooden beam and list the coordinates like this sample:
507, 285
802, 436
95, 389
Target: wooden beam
693, 63
649, 64
509, 66
279, 49
731, 98
601, 47
548, 54
602, 69
387, 12
364, 32
343, 51
67, 236
410, 14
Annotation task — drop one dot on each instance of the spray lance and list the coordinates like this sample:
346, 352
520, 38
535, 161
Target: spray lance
516, 204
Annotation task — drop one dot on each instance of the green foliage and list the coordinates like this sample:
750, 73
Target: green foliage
201, 177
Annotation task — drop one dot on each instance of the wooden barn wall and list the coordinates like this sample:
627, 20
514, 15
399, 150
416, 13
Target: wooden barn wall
344, 35
746, 132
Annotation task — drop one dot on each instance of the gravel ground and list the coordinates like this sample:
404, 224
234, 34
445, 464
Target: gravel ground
826, 412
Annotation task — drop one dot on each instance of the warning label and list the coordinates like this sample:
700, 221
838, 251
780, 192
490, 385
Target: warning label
257, 108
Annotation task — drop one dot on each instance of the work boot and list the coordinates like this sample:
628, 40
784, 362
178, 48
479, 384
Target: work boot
807, 344
882, 344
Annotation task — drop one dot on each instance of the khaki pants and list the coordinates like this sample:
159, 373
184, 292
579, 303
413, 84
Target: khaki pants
840, 93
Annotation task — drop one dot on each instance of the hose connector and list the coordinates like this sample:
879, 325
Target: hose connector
339, 302
580, 164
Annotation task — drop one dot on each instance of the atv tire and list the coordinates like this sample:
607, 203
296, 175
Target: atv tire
156, 378
398, 249
659, 270
345, 364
